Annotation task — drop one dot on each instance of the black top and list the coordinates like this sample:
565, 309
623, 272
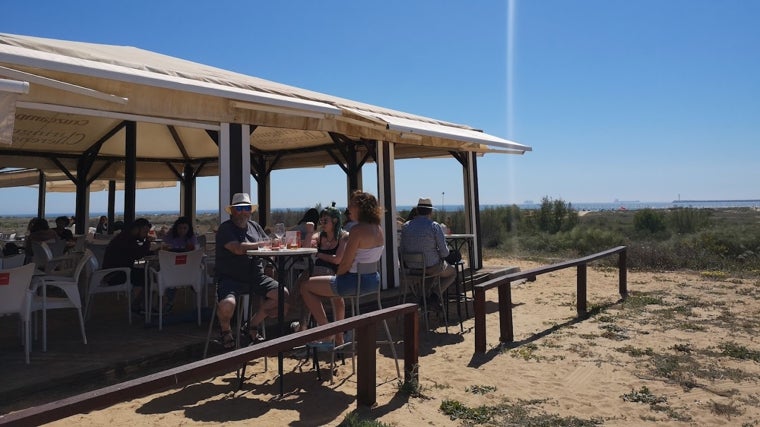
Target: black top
230, 265
333, 251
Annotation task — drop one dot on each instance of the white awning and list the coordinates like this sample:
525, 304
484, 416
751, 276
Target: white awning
439, 130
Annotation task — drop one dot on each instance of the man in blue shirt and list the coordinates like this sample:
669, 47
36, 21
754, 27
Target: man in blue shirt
424, 235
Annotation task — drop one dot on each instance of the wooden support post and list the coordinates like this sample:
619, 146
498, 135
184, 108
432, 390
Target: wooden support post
411, 347
480, 320
623, 274
581, 302
505, 312
366, 369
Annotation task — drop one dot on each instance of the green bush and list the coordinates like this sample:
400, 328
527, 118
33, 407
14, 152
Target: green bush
649, 220
688, 220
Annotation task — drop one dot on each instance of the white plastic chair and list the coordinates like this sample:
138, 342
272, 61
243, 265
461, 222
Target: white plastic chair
419, 279
12, 261
176, 270
69, 284
16, 298
97, 284
49, 263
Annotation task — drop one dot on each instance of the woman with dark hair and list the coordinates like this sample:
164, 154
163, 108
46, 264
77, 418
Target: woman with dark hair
181, 237
331, 244
365, 244
102, 227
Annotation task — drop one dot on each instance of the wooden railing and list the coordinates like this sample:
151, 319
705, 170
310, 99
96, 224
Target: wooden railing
366, 370
504, 285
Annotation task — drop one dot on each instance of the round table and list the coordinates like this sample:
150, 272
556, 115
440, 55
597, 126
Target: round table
283, 261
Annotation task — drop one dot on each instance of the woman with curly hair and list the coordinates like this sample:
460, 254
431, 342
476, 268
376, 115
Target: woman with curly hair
365, 244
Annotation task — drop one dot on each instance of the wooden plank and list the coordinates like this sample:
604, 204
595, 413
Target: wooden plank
366, 369
503, 284
195, 371
411, 348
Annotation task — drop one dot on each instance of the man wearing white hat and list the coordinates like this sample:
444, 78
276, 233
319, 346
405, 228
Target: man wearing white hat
237, 273
423, 235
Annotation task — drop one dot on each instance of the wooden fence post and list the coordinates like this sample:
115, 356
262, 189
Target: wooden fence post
411, 347
366, 368
505, 312
480, 320
581, 281
623, 273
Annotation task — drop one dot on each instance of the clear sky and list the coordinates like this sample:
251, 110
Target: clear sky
645, 100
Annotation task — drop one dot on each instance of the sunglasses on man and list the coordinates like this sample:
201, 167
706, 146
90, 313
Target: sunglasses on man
243, 208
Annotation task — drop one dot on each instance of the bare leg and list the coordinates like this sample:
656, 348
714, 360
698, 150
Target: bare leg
268, 308
312, 291
224, 310
339, 312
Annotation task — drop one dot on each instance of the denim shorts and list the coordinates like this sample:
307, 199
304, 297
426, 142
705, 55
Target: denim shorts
345, 284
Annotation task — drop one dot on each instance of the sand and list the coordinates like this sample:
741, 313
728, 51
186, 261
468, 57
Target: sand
683, 350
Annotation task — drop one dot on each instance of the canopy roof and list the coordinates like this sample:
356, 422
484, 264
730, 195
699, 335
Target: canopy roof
81, 94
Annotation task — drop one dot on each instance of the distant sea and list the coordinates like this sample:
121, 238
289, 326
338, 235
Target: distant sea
584, 206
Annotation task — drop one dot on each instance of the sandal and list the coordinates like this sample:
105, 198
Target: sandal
251, 332
227, 340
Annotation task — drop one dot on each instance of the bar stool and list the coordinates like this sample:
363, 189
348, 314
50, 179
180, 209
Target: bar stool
460, 294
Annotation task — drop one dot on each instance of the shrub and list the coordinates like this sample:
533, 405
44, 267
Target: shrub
649, 220
688, 220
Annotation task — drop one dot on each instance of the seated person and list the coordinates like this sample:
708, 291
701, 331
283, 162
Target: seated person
422, 234
365, 244
64, 233
237, 273
123, 250
310, 216
38, 231
181, 237
331, 244
102, 227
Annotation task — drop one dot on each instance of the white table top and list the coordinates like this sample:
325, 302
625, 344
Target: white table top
460, 236
282, 252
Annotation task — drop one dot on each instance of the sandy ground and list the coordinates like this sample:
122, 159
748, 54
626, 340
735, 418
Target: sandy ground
682, 350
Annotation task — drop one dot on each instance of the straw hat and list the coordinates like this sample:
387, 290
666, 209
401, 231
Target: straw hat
425, 202
240, 199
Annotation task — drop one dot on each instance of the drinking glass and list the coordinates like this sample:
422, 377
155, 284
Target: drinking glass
279, 231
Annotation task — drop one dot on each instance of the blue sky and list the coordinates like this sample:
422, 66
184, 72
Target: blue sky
645, 100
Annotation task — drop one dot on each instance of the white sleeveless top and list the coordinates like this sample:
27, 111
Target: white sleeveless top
364, 255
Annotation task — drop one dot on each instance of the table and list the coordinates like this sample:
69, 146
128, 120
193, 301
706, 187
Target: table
457, 241
283, 260
145, 263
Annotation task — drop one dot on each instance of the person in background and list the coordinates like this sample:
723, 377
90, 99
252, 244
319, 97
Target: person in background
239, 274
123, 250
412, 214
424, 235
181, 237
64, 233
350, 222
330, 244
366, 243
310, 216
39, 230
102, 227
